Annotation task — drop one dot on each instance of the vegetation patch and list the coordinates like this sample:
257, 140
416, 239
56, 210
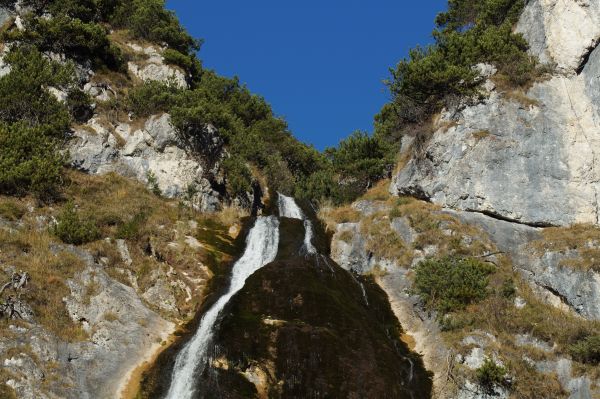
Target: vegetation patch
490, 375
582, 238
587, 350
72, 229
468, 33
450, 284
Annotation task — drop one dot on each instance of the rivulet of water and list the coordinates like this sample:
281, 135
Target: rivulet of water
289, 209
261, 249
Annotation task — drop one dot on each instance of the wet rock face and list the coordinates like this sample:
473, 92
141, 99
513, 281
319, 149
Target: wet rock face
153, 149
303, 327
310, 332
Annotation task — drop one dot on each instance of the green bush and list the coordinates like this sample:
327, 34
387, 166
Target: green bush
73, 37
149, 20
29, 162
174, 57
153, 183
33, 124
79, 104
360, 161
587, 350
71, 229
153, 97
450, 284
470, 32
508, 289
239, 177
131, 230
490, 375
23, 92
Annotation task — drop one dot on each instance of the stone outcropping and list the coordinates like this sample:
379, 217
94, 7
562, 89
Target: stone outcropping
573, 290
122, 331
526, 157
562, 32
568, 288
153, 68
153, 151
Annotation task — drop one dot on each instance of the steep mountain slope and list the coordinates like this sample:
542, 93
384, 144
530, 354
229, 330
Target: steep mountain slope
504, 185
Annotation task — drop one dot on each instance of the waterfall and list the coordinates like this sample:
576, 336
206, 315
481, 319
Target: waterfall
261, 249
289, 209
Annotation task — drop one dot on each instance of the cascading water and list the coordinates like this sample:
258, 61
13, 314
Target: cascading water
261, 249
289, 209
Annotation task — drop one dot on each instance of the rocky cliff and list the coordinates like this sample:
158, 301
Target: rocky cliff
512, 178
528, 157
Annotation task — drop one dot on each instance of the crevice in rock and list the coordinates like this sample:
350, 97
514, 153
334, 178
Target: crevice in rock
557, 294
416, 192
586, 57
496, 216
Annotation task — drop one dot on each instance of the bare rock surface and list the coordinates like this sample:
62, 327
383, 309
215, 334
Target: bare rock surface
154, 150
530, 158
153, 68
531, 163
561, 31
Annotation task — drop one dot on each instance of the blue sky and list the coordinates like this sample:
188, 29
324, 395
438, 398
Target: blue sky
319, 63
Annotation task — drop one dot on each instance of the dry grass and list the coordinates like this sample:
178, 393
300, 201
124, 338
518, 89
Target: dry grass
379, 192
231, 215
110, 316
522, 98
333, 216
481, 134
583, 238
345, 236
12, 209
30, 251
445, 126
384, 242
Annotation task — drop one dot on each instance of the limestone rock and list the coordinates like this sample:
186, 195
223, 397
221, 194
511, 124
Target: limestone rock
101, 303
5, 15
530, 157
153, 149
154, 68
564, 287
561, 31
531, 160
4, 67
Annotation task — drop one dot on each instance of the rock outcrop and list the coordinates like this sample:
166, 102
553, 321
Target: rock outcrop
521, 160
571, 290
121, 328
151, 152
561, 32
525, 157
153, 67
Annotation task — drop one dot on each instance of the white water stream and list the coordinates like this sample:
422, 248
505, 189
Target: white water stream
261, 249
289, 209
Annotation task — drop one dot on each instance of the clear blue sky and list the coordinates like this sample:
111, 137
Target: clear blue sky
319, 63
